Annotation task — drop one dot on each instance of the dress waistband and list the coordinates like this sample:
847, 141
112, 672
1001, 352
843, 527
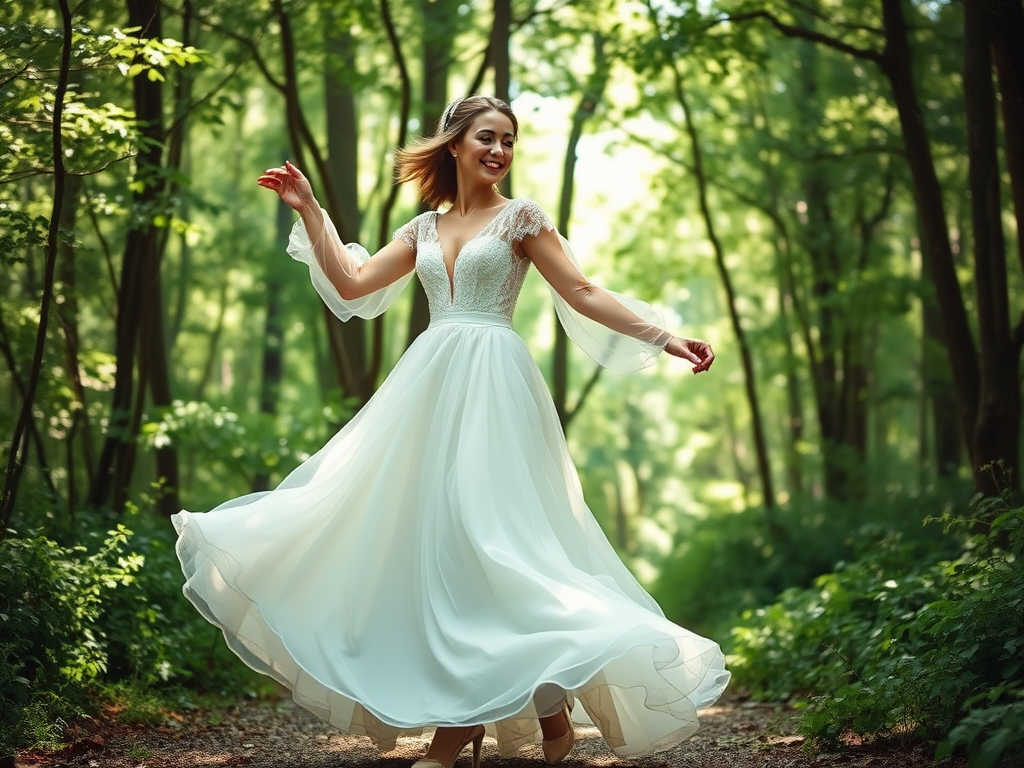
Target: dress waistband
471, 318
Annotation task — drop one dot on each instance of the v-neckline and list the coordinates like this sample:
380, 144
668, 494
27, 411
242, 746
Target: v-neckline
455, 261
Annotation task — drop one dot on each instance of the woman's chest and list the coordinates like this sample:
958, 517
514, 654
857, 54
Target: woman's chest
485, 267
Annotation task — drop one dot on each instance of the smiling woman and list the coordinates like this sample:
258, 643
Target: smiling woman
435, 564
483, 121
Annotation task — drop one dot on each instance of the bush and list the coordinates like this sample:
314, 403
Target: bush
156, 637
892, 646
52, 646
750, 561
73, 622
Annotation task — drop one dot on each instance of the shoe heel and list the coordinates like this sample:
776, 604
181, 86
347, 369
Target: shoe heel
478, 742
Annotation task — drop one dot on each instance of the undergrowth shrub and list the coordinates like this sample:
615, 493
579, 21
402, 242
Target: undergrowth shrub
156, 637
891, 645
51, 644
751, 558
76, 621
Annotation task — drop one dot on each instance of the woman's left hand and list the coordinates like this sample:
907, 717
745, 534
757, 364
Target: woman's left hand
696, 351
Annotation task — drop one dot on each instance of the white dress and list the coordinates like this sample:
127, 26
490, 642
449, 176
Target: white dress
435, 563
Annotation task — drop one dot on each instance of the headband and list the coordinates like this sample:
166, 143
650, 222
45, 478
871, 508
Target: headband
446, 116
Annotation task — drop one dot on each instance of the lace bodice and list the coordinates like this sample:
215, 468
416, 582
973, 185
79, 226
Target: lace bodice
488, 273
619, 332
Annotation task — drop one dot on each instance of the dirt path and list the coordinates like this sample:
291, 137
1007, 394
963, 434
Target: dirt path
734, 735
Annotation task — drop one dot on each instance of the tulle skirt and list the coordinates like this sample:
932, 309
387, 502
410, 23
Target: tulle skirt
435, 564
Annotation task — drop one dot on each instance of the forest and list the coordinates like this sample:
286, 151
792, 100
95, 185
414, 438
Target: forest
830, 193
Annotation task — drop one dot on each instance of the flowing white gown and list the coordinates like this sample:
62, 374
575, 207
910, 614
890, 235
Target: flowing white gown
435, 563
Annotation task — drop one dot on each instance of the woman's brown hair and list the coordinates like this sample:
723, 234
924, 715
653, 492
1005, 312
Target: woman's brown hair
428, 160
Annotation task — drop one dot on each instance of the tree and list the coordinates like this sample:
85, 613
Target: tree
668, 59
988, 396
139, 313
590, 98
16, 458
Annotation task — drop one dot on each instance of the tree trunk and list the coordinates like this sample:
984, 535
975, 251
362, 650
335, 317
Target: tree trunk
840, 405
956, 332
218, 329
178, 157
80, 430
404, 110
438, 21
789, 303
996, 430
117, 459
273, 336
746, 358
384, 224
794, 401
501, 31
1006, 20
19, 392
592, 95
14, 461
349, 338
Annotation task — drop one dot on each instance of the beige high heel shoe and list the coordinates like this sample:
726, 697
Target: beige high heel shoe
555, 750
474, 736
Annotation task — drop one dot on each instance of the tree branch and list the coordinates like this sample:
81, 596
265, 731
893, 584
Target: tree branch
250, 45
403, 116
578, 406
15, 75
812, 11
206, 97
29, 172
790, 30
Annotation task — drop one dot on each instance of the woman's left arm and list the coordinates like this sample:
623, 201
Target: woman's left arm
545, 251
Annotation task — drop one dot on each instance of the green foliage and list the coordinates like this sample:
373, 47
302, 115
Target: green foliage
893, 644
137, 55
752, 556
231, 445
988, 733
156, 637
72, 619
19, 231
51, 599
136, 704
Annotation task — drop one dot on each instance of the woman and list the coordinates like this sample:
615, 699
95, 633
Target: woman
435, 565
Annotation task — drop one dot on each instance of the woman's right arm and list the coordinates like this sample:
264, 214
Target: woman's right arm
352, 279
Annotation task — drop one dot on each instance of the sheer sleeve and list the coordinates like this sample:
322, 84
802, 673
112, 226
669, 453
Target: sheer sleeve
625, 334
349, 257
624, 351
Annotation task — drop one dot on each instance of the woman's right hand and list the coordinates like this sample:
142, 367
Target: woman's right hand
290, 185
696, 351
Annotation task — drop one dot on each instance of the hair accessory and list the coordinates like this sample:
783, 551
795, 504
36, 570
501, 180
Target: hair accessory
446, 116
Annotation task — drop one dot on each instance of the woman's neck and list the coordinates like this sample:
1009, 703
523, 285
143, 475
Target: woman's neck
470, 202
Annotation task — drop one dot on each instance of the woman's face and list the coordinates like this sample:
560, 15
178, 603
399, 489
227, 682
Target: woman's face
484, 153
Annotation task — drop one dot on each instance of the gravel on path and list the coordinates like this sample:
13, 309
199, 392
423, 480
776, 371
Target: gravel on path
734, 734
